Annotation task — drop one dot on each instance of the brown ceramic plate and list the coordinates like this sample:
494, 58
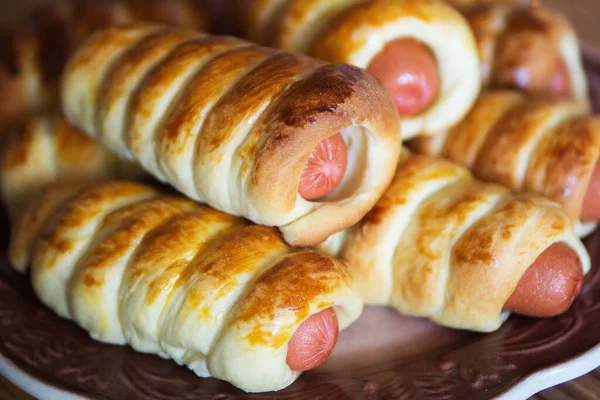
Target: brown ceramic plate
383, 356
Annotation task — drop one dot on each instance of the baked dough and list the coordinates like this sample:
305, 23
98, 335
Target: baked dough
33, 55
48, 150
442, 245
171, 277
548, 147
533, 39
355, 31
232, 124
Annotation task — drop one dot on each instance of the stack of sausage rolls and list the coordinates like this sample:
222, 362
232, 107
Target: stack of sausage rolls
423, 51
278, 138
310, 154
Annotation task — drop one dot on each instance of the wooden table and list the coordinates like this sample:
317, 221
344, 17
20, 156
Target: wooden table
585, 14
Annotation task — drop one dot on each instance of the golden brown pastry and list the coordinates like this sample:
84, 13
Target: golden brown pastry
32, 56
422, 50
47, 150
549, 147
442, 245
534, 49
281, 139
170, 277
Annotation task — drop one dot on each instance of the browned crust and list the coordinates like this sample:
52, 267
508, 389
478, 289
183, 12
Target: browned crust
80, 209
46, 150
126, 226
26, 225
275, 107
167, 250
209, 84
190, 243
502, 128
246, 17
520, 229
513, 139
163, 76
78, 153
529, 41
564, 163
262, 85
515, 42
292, 285
462, 143
316, 107
340, 39
487, 23
39, 48
442, 245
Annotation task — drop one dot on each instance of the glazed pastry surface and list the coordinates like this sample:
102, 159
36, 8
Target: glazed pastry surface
174, 278
233, 124
440, 244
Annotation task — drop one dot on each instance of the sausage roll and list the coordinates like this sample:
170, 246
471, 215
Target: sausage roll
422, 50
279, 138
533, 49
549, 147
46, 150
170, 277
33, 55
442, 245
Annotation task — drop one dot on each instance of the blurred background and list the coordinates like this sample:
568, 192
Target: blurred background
584, 13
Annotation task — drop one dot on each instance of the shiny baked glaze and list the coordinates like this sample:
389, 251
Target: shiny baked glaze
58, 354
109, 254
521, 47
27, 226
356, 31
340, 39
47, 150
33, 55
184, 113
438, 242
540, 146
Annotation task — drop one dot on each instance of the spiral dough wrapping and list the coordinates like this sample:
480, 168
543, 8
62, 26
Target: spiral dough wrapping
549, 147
48, 150
442, 245
356, 31
534, 49
33, 55
232, 124
184, 281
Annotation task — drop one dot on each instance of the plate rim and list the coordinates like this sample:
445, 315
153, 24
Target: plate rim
32, 385
530, 385
554, 375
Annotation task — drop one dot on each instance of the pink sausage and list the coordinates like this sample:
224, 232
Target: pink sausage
313, 341
550, 285
561, 81
410, 72
591, 202
324, 169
